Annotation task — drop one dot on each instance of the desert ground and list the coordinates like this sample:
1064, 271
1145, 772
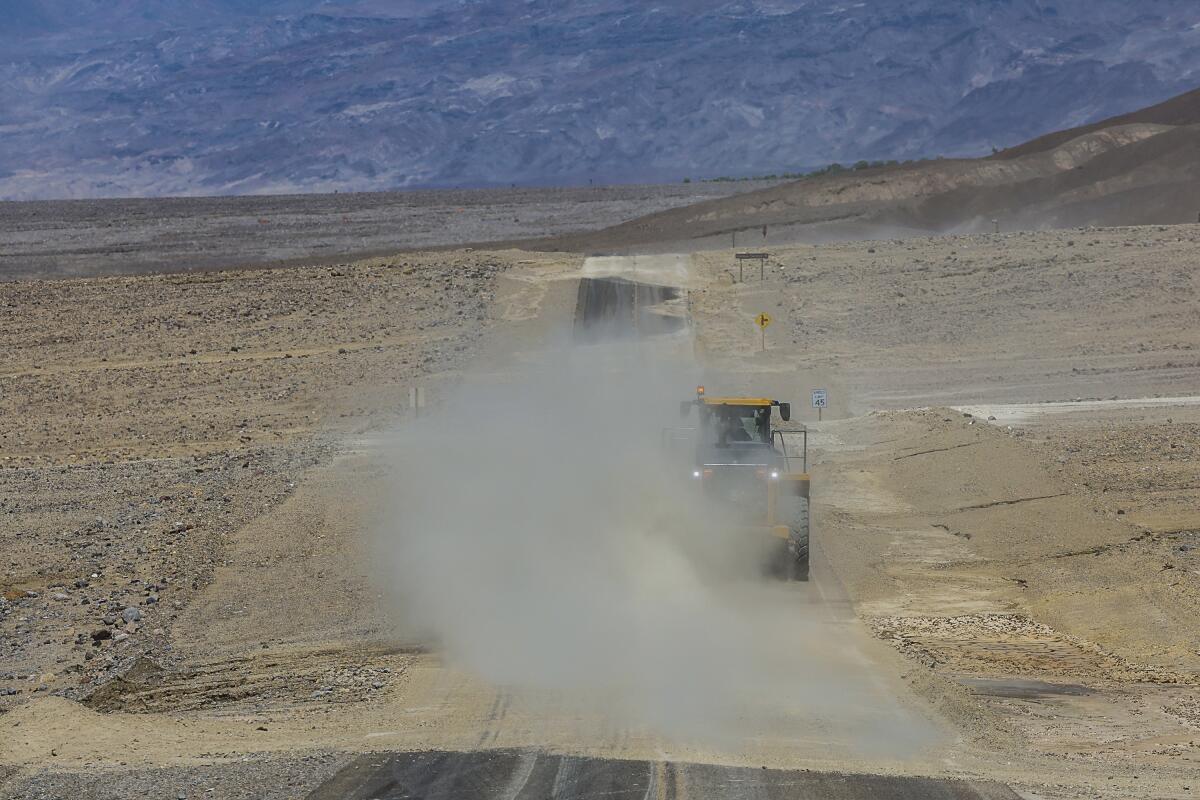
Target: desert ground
1005, 534
84, 238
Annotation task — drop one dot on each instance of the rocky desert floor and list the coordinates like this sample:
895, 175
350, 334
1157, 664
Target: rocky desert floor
1006, 511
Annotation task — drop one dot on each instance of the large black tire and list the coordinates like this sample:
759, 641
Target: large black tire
798, 543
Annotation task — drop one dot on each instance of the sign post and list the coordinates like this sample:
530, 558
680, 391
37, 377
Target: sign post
763, 320
820, 401
416, 399
761, 258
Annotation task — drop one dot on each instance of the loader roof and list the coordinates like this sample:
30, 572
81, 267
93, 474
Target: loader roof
737, 401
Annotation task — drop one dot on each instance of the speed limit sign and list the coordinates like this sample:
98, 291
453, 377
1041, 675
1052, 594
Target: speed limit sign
820, 401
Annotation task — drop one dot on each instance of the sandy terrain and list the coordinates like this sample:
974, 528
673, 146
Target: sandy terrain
174, 411
1023, 317
194, 452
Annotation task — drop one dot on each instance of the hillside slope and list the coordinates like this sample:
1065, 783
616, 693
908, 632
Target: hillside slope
1135, 169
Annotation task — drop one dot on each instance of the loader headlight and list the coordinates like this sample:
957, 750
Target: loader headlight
775, 474
696, 473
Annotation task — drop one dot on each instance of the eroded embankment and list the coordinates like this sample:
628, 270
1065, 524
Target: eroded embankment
968, 548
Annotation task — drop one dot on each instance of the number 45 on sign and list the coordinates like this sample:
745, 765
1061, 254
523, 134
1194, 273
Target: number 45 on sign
820, 401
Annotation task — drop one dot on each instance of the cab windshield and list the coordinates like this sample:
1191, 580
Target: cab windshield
731, 425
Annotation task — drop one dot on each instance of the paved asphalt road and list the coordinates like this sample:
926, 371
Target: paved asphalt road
526, 775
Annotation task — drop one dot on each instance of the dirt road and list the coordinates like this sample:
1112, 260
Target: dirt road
875, 721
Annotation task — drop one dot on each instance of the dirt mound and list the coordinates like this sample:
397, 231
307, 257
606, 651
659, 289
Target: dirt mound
1133, 170
1178, 111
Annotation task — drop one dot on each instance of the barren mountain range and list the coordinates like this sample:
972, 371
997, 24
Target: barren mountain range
232, 97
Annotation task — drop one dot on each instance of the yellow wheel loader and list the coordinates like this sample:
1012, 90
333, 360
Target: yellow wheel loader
741, 459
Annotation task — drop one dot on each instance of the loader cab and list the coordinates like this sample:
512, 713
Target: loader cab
735, 430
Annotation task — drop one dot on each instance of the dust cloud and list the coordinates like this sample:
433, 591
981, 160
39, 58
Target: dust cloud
545, 538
